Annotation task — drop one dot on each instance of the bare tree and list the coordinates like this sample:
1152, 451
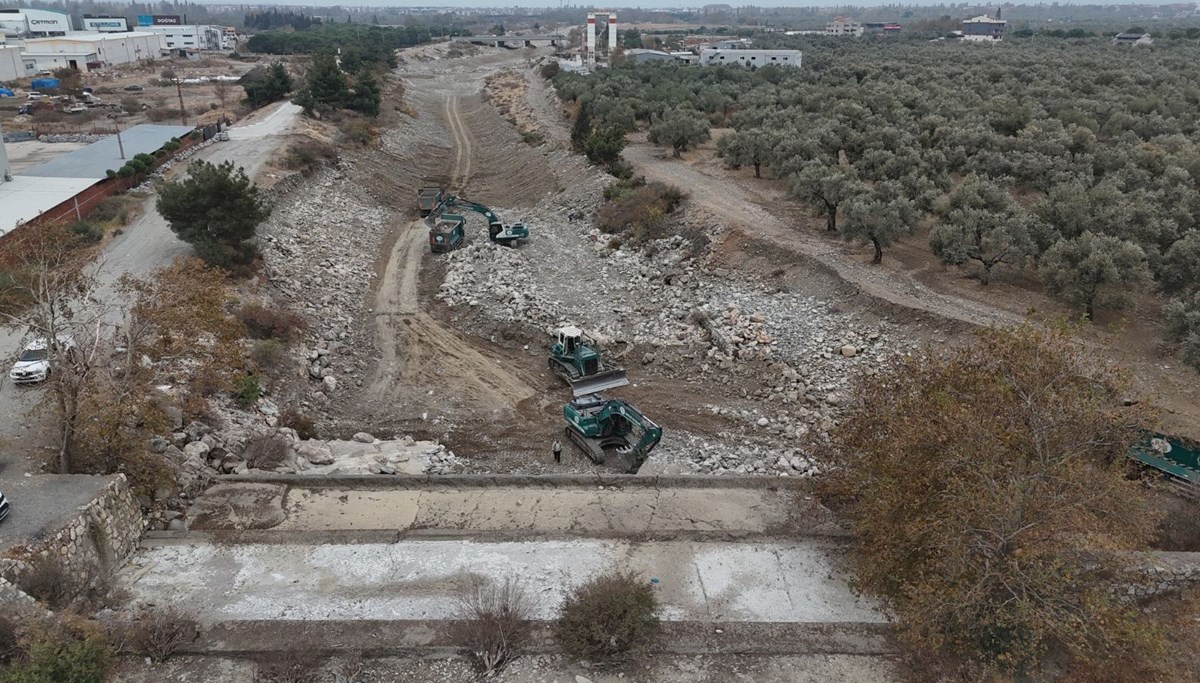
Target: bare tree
222, 91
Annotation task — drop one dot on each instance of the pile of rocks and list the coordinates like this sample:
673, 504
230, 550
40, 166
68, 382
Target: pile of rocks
703, 455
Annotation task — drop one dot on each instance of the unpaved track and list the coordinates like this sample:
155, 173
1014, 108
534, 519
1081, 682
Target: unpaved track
417, 350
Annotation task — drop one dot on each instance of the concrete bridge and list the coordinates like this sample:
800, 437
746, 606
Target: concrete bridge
512, 42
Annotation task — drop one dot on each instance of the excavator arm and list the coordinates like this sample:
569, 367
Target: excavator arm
497, 230
650, 433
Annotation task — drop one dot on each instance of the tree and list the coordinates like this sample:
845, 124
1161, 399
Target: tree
631, 38
1183, 327
264, 86
216, 210
366, 95
981, 223
220, 91
325, 87
604, 145
879, 217
1180, 270
1095, 271
826, 188
986, 489
679, 128
751, 148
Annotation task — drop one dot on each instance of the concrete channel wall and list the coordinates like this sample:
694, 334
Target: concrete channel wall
88, 548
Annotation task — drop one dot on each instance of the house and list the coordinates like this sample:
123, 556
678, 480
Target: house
1132, 39
751, 58
843, 26
984, 28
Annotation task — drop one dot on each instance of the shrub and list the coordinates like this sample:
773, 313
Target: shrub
532, 138
266, 451
271, 323
494, 621
610, 617
49, 583
86, 230
158, 634
61, 653
162, 114
305, 426
550, 70
268, 354
308, 156
358, 131
111, 209
249, 390
639, 208
9, 643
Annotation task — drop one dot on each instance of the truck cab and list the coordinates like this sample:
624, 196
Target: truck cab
446, 233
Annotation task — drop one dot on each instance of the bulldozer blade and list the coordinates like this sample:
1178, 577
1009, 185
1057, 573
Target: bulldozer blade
603, 381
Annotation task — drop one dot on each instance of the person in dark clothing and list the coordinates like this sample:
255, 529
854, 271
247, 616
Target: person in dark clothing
557, 452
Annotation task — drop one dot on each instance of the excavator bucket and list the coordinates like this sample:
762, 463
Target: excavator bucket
602, 381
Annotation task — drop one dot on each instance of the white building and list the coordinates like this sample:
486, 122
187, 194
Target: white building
190, 37
983, 28
1132, 39
105, 24
5, 169
12, 64
843, 26
86, 51
22, 23
753, 58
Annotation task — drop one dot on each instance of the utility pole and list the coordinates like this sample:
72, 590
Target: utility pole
116, 125
182, 111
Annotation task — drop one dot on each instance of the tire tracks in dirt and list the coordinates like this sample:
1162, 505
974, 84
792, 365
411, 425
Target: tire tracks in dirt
418, 352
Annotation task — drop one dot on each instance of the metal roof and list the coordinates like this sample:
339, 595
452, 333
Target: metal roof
97, 158
25, 197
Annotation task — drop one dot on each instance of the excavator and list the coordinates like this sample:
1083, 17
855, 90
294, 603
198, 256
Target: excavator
575, 358
596, 425
446, 229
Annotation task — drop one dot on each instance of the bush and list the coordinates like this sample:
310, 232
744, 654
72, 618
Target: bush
532, 138
158, 634
308, 156
305, 426
49, 583
61, 653
163, 114
638, 208
608, 618
550, 70
268, 354
271, 323
358, 131
86, 230
494, 621
9, 642
249, 390
111, 209
266, 451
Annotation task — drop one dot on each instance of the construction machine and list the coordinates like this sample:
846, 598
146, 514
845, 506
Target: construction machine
445, 232
507, 235
428, 199
575, 358
596, 425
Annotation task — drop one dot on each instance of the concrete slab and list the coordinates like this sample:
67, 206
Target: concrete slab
595, 511
786, 582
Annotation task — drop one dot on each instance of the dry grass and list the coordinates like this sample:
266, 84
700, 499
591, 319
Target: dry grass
493, 620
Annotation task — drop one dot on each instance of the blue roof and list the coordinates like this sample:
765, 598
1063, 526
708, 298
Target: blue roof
97, 158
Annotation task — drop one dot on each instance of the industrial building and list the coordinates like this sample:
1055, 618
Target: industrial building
33, 23
13, 64
844, 27
190, 37
640, 56
984, 28
105, 24
87, 51
751, 58
594, 52
5, 169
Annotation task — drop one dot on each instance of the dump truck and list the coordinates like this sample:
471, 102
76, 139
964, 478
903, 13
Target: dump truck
428, 199
575, 358
597, 425
446, 232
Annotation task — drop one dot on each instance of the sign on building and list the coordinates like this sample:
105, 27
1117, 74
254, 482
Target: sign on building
166, 20
105, 24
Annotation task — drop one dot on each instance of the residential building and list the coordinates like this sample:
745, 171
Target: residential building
33, 23
844, 26
752, 58
87, 51
1132, 39
190, 36
984, 28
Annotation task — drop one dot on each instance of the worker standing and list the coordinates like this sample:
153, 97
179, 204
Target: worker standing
557, 452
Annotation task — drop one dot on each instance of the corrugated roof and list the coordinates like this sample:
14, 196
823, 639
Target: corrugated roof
97, 158
24, 197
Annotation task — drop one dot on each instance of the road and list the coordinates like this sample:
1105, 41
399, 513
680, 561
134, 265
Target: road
144, 245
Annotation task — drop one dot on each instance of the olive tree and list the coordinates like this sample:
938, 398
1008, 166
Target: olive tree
679, 128
751, 148
1180, 268
1094, 271
879, 217
826, 188
981, 223
1183, 327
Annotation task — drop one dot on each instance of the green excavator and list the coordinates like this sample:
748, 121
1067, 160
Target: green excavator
596, 425
446, 230
575, 358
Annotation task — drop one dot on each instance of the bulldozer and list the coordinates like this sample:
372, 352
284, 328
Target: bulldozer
575, 358
596, 425
438, 216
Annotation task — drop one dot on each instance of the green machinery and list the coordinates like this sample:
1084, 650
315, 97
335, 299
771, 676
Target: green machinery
1171, 455
575, 358
446, 229
596, 425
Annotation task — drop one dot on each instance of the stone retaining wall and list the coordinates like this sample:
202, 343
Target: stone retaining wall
91, 546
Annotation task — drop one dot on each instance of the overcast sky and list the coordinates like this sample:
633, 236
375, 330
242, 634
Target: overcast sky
646, 4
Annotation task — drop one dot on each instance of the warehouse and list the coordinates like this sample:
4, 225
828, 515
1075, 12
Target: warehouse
89, 51
751, 58
30, 23
189, 37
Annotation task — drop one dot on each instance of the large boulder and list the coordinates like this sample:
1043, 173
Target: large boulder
316, 452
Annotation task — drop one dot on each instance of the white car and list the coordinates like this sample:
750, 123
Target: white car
33, 365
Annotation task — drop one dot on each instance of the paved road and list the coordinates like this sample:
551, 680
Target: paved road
42, 504
792, 582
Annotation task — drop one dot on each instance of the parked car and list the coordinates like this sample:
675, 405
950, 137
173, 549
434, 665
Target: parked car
33, 365
76, 108
4, 506
134, 88
34, 96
